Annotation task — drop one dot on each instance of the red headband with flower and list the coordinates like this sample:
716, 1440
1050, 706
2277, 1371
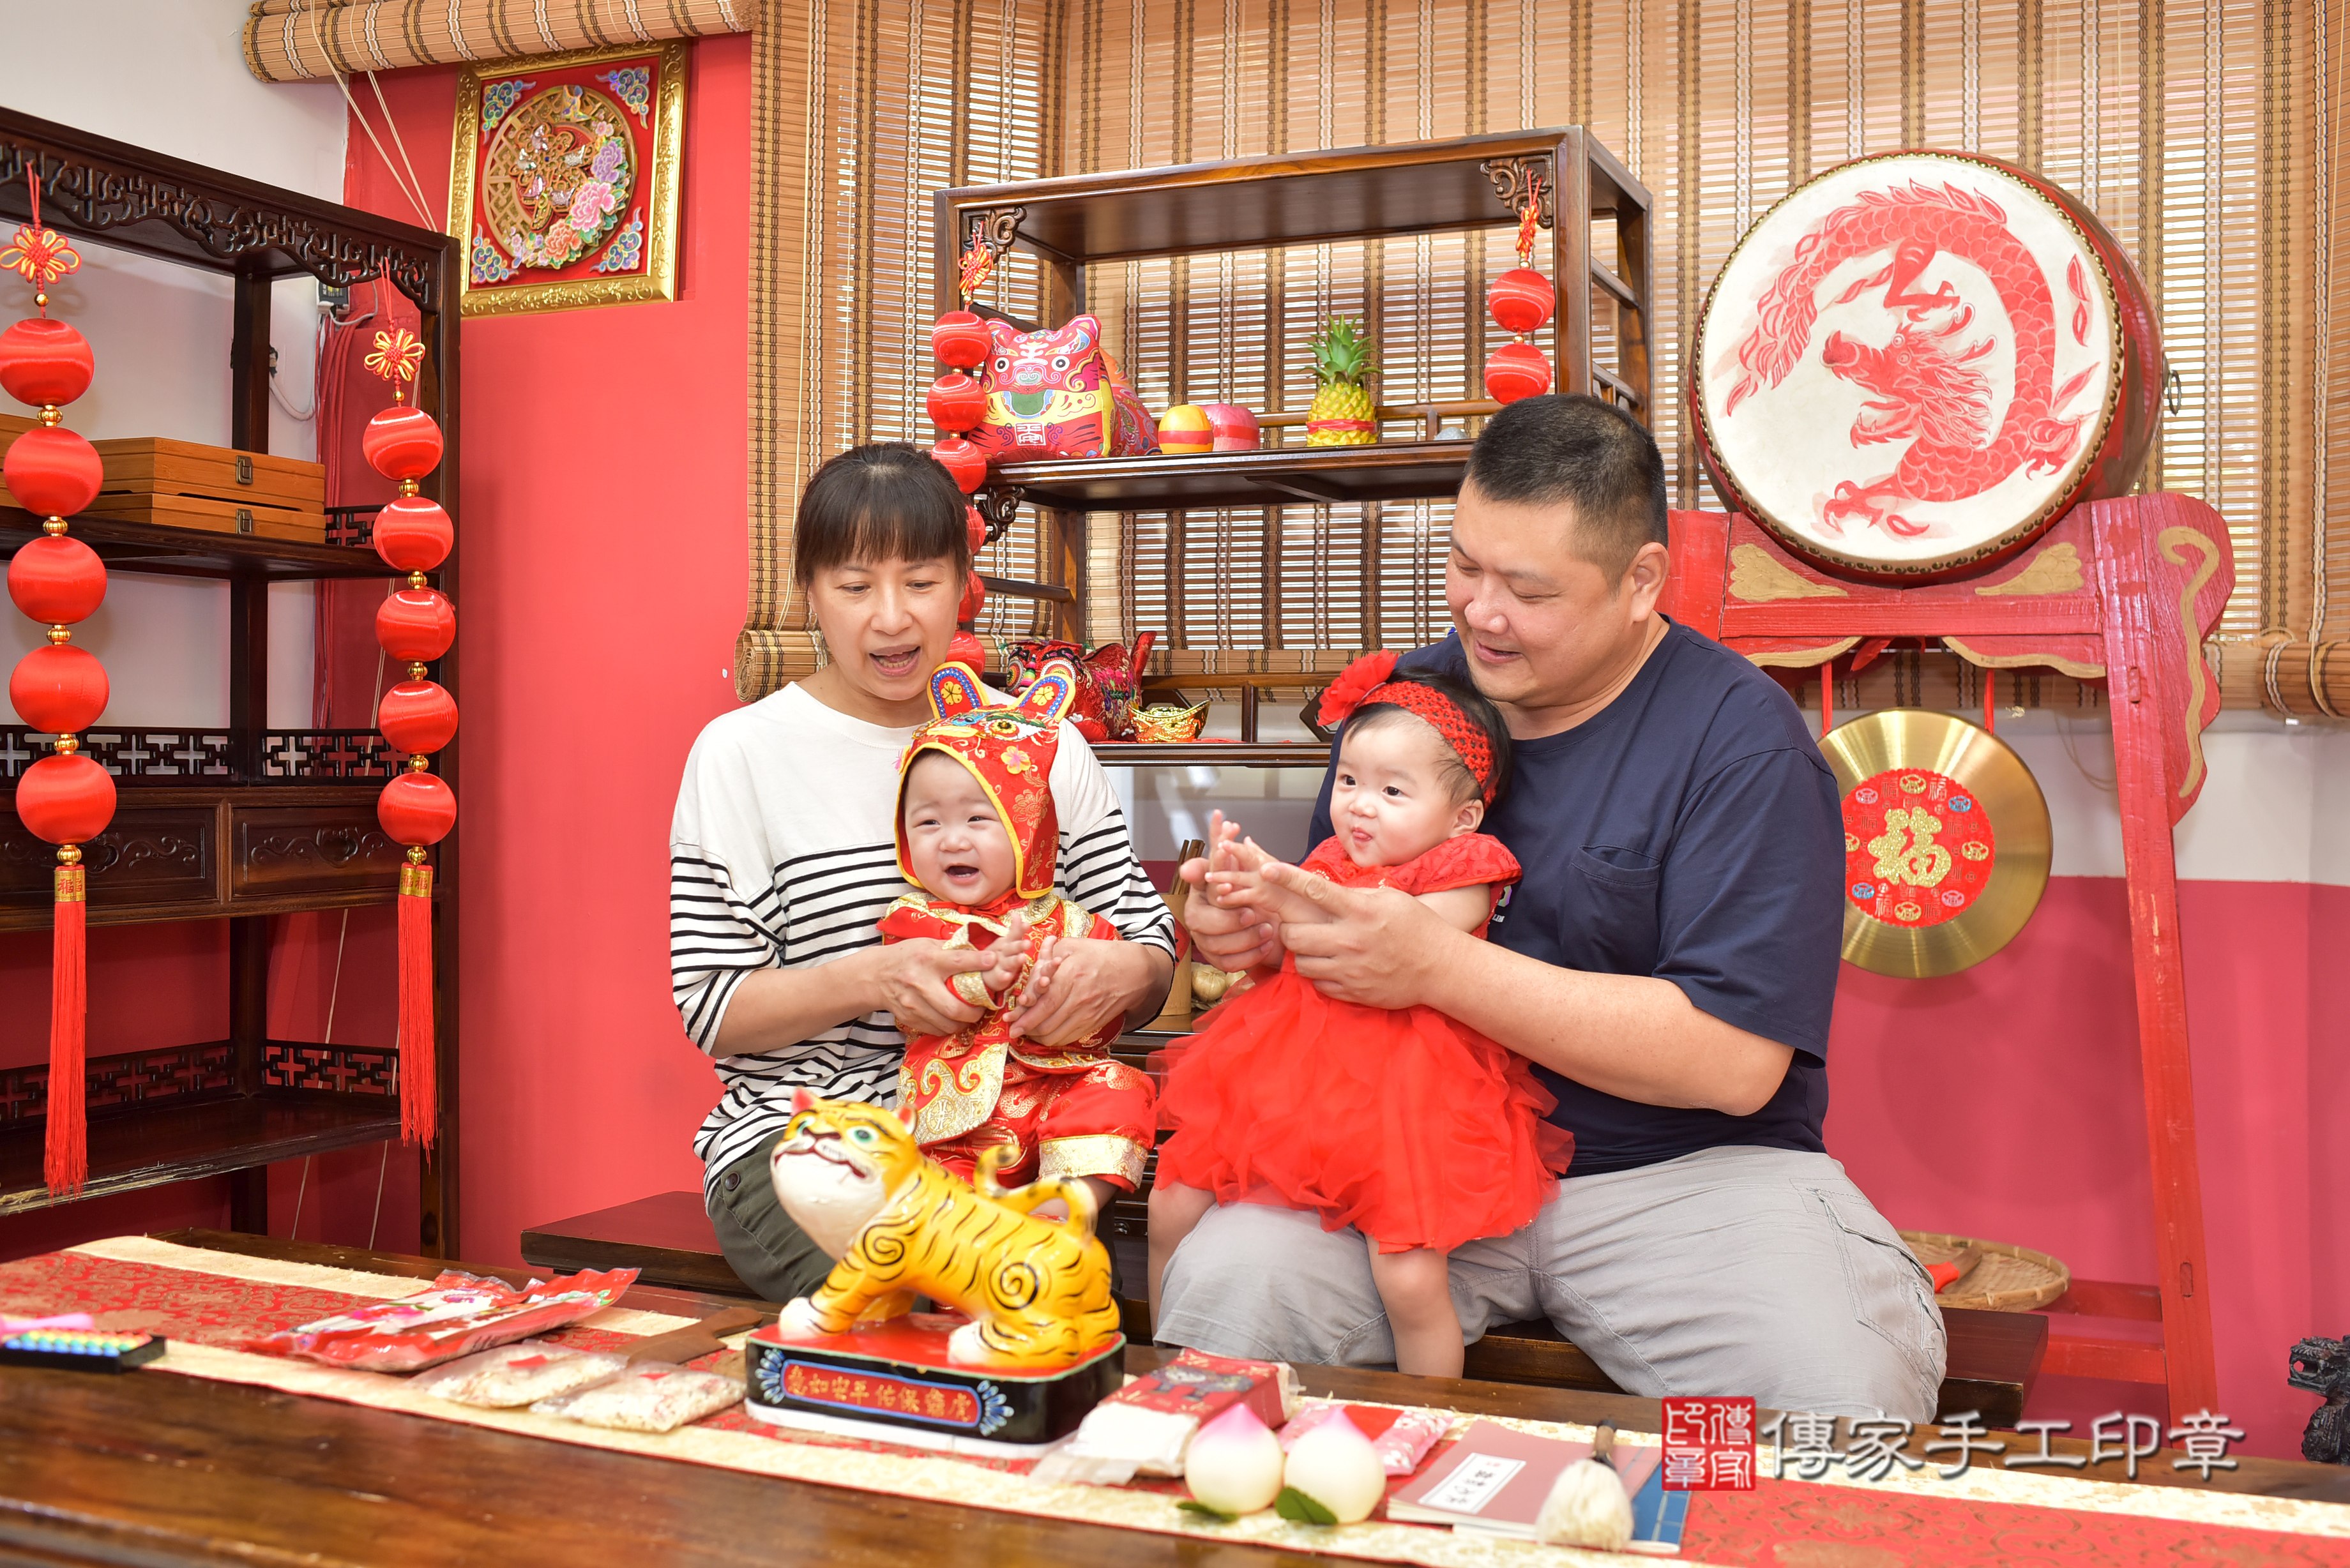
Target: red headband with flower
1365, 683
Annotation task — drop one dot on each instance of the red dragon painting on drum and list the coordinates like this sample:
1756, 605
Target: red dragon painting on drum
1984, 348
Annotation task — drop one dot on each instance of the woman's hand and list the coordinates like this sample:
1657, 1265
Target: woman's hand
1080, 986
1233, 935
1374, 946
915, 981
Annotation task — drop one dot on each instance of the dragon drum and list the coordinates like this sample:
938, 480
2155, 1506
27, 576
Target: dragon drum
1917, 361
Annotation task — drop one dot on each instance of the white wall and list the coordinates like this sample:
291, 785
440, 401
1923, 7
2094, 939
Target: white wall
2276, 807
167, 74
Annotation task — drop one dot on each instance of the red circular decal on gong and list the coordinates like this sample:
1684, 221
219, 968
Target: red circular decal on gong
1918, 848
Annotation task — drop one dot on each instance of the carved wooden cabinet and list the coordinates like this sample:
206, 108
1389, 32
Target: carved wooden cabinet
237, 822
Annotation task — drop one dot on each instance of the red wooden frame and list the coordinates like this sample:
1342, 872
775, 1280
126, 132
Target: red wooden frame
2123, 590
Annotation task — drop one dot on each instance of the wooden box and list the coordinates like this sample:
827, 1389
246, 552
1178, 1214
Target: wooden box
186, 484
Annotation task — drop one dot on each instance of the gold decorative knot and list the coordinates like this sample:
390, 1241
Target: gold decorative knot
60, 633
40, 256
397, 355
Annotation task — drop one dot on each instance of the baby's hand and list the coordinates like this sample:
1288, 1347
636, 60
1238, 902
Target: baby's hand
1006, 956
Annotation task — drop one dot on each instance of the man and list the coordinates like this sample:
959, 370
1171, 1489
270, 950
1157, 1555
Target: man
1669, 964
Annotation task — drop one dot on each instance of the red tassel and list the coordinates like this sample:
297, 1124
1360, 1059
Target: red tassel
67, 1163
418, 1092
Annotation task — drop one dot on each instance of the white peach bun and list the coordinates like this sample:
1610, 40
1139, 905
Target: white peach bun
1233, 1463
1335, 1466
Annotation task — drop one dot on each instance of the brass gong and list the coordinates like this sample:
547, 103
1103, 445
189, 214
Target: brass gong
1946, 841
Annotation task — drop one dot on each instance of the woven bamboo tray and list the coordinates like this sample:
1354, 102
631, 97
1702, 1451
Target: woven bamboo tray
2004, 1278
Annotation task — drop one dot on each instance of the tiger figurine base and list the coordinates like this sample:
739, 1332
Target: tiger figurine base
1037, 1291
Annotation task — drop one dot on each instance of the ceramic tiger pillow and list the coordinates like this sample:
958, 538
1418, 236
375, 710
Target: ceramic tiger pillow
1058, 394
1037, 1291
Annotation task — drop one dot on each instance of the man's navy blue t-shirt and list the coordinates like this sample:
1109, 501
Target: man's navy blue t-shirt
1689, 830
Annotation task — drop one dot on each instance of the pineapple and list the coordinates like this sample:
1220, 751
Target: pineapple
1341, 410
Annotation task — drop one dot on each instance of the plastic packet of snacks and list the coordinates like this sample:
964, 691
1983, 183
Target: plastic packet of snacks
460, 1314
649, 1397
1400, 1437
514, 1375
1145, 1426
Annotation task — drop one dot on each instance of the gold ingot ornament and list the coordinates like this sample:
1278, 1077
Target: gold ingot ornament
1946, 841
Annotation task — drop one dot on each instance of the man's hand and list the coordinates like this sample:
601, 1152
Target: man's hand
1373, 946
1234, 936
1079, 986
915, 980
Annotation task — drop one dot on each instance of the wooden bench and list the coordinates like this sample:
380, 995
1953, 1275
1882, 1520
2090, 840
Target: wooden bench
1993, 1359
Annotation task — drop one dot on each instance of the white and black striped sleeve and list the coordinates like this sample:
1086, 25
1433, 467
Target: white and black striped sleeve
1098, 866
724, 918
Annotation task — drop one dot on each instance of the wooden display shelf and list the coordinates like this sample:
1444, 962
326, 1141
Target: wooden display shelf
1292, 199
175, 1142
1213, 753
127, 545
1390, 471
212, 852
224, 820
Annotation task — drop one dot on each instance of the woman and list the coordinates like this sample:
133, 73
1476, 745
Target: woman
783, 856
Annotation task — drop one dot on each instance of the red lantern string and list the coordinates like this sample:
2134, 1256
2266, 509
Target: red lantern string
415, 626
66, 798
1522, 301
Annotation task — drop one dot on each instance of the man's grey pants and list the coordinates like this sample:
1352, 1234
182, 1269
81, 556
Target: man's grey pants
1736, 1271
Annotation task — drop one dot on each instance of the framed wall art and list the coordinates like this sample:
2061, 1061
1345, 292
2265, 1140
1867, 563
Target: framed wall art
563, 187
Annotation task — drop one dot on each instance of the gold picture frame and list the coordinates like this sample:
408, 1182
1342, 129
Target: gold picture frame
496, 279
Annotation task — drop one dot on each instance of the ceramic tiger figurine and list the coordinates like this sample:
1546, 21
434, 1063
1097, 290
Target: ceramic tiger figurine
1037, 1291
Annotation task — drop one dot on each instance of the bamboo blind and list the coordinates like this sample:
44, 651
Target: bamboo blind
294, 40
2203, 133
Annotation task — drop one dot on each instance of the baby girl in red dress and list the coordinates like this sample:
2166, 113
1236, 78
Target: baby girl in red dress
1414, 1130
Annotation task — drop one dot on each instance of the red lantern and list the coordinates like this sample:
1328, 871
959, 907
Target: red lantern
44, 362
416, 808
974, 599
56, 581
965, 460
65, 798
58, 690
415, 626
959, 338
52, 471
974, 528
966, 649
1516, 370
401, 442
956, 402
1521, 299
413, 533
418, 716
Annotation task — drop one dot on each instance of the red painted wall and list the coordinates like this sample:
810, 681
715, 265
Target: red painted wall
600, 503
2004, 1102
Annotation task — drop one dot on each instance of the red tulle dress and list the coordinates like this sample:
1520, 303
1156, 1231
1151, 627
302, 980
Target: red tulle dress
1414, 1130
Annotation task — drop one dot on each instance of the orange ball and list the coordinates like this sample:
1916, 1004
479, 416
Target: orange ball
413, 533
1185, 429
418, 716
57, 579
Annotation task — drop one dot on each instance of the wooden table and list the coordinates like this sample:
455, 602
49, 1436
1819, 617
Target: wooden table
153, 1468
